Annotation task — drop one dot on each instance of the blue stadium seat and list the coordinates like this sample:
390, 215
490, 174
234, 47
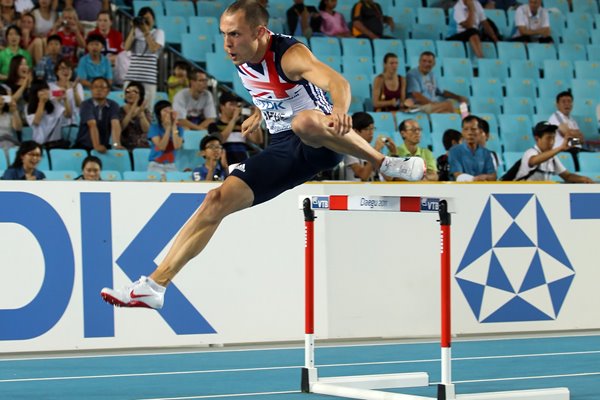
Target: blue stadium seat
220, 67
278, 8
414, 48
412, 3
450, 49
593, 51
383, 46
588, 125
499, 18
113, 159
356, 47
487, 87
524, 69
517, 87
441, 122
191, 139
384, 121
325, 46
457, 85
488, 48
334, 62
585, 6
587, 69
174, 28
580, 20
62, 175
584, 106
361, 90
594, 38
66, 159
302, 39
278, 25
358, 65
511, 157
586, 89
187, 159
155, 5
179, 9
405, 20
109, 175
210, 8
195, 47
3, 161
142, 176
571, 52
567, 161
562, 5
457, 67
516, 132
589, 162
140, 159
202, 25
117, 96
427, 31
518, 105
559, 70
511, 51
433, 17
179, 176
544, 107
538, 52
558, 22
160, 95
493, 68
485, 105
576, 35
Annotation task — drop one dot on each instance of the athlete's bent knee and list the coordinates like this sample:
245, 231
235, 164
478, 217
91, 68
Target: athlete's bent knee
308, 126
213, 209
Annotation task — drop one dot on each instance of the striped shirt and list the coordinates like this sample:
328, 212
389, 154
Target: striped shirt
144, 63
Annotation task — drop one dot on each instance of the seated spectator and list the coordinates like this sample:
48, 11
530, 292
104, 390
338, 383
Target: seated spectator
303, 20
532, 23
215, 165
19, 79
469, 161
71, 34
562, 118
332, 22
166, 137
26, 162
469, 19
178, 80
450, 138
134, 117
422, 88
44, 69
90, 169
195, 105
45, 114
229, 129
540, 162
368, 20
411, 133
8, 16
45, 17
10, 120
389, 87
94, 64
113, 39
13, 48
74, 95
29, 40
99, 120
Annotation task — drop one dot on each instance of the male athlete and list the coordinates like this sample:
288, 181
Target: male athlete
309, 134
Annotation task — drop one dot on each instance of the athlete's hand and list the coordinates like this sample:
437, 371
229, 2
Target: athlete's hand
251, 124
339, 123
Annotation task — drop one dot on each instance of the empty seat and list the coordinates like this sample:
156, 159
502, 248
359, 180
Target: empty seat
356, 47
538, 52
518, 105
67, 159
450, 49
559, 70
56, 175
142, 176
571, 52
325, 46
359, 65
441, 122
517, 87
587, 69
179, 9
113, 159
202, 25
457, 67
383, 46
210, 8
195, 47
524, 69
585, 7
191, 139
576, 35
384, 122
179, 176
493, 68
486, 105
174, 28
586, 89
457, 85
107, 175
511, 51
140, 159
588, 125
516, 132
219, 65
487, 87
589, 162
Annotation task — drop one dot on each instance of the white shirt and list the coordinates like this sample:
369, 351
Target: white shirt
187, 106
74, 119
461, 12
550, 167
524, 17
558, 118
50, 126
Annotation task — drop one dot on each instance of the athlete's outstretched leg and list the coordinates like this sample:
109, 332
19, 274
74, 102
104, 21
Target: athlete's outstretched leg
233, 195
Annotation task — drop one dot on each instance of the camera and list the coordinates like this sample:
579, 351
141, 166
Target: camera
65, 22
139, 21
574, 142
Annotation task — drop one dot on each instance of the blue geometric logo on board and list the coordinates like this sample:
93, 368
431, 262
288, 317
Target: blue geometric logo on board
514, 268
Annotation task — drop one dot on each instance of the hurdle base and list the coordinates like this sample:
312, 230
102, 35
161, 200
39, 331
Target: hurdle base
532, 394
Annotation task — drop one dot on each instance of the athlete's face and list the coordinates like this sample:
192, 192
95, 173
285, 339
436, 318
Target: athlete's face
240, 40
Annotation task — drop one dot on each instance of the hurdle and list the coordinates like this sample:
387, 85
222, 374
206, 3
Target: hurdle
366, 386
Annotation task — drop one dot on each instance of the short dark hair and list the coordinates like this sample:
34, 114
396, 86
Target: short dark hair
54, 37
207, 139
470, 118
90, 159
484, 125
565, 93
25, 148
451, 135
158, 107
95, 37
101, 78
181, 64
140, 89
427, 53
361, 120
254, 12
388, 56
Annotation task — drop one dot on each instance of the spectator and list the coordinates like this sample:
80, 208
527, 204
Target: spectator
91, 167
389, 87
468, 160
99, 120
303, 20
195, 106
88, 10
94, 64
45, 114
179, 80
469, 18
562, 118
29, 40
13, 48
45, 68
26, 162
145, 42
71, 34
134, 117
422, 88
215, 166
229, 129
8, 16
332, 22
113, 39
368, 20
19, 79
10, 120
450, 138
539, 163
532, 23
74, 95
411, 133
484, 137
45, 17
166, 137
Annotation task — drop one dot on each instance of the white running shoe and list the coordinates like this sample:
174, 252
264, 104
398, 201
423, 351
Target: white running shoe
142, 293
408, 168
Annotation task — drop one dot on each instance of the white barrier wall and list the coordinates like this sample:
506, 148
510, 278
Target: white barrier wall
523, 260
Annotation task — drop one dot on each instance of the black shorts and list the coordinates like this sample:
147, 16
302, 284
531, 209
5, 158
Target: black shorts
284, 164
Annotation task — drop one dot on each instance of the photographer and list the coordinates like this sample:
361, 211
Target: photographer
229, 128
540, 162
71, 34
145, 42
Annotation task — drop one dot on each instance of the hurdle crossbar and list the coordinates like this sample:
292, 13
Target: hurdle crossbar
365, 386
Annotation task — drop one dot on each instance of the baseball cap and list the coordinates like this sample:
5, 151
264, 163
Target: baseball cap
544, 127
228, 96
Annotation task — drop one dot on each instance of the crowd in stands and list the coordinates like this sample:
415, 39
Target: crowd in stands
73, 84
